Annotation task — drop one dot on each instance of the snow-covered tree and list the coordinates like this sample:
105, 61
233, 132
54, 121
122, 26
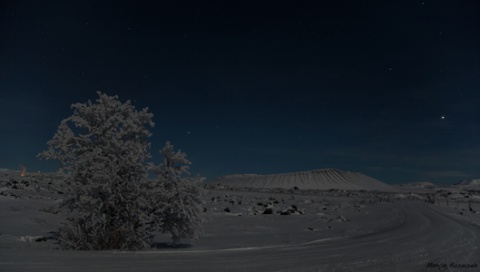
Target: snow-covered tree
179, 197
103, 148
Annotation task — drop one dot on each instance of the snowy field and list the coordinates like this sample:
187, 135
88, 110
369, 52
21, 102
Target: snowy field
411, 228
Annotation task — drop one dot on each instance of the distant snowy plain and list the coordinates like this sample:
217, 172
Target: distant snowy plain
264, 229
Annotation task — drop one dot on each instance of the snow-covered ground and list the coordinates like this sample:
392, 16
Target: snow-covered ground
263, 230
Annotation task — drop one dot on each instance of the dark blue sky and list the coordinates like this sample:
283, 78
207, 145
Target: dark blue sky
249, 87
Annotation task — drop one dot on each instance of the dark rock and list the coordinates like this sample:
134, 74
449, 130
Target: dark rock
41, 239
268, 211
286, 212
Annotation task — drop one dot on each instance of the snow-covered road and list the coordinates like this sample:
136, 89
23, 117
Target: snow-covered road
422, 239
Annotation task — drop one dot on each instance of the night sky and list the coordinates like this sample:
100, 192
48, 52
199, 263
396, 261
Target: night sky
387, 88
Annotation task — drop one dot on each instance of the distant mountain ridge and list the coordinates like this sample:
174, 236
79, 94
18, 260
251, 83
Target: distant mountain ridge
469, 182
420, 184
322, 179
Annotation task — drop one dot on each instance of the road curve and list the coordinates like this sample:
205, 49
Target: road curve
421, 236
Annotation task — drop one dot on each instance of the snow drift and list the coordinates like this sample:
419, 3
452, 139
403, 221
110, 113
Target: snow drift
323, 179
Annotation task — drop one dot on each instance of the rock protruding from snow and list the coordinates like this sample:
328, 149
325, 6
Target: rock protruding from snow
324, 179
